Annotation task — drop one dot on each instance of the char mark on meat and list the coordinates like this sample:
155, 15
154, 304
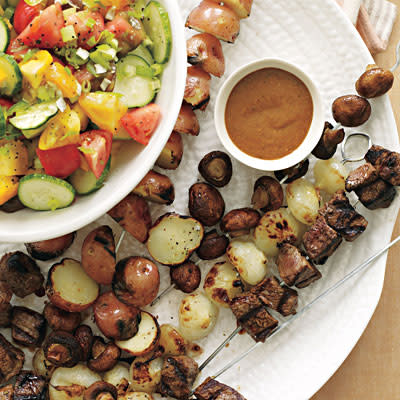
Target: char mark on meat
279, 298
386, 162
361, 176
343, 218
378, 194
252, 316
11, 360
177, 377
27, 326
320, 241
294, 268
29, 386
211, 389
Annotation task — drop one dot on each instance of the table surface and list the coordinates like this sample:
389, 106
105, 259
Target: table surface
372, 369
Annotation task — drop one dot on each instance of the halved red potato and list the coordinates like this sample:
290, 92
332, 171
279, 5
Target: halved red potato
173, 238
98, 255
69, 287
145, 340
187, 122
156, 187
197, 89
241, 7
214, 18
171, 154
205, 50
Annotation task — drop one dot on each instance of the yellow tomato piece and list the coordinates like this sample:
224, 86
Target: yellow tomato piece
64, 80
8, 188
118, 4
13, 158
62, 130
3, 76
33, 70
104, 109
82, 116
84, 164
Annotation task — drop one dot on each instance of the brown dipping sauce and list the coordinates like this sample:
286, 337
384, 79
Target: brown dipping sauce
268, 113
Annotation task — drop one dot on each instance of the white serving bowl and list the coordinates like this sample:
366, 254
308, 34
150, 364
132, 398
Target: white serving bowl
134, 160
314, 132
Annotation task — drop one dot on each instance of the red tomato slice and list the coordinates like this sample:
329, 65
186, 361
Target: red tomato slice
44, 31
16, 49
6, 103
24, 14
84, 30
61, 161
141, 123
96, 147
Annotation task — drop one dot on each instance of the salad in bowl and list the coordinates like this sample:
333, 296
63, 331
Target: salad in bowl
75, 77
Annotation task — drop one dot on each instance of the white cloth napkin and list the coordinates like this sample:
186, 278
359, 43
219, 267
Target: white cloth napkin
373, 19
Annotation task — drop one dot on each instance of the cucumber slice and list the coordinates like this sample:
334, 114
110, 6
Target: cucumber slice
84, 182
43, 192
136, 90
3, 119
157, 26
4, 34
33, 120
10, 76
143, 51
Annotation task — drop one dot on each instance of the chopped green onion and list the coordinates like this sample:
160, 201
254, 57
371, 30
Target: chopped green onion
90, 23
33, 2
9, 13
61, 104
92, 41
71, 55
86, 86
110, 13
156, 84
147, 42
37, 164
82, 53
46, 93
68, 71
78, 88
69, 11
157, 69
90, 68
104, 84
99, 69
29, 54
68, 33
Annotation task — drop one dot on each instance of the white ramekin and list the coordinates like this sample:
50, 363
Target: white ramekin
314, 132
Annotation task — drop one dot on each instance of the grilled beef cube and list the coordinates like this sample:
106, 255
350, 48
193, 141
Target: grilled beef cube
7, 392
211, 389
11, 360
343, 218
177, 377
29, 386
27, 326
252, 316
5, 315
361, 176
275, 296
386, 162
294, 268
320, 241
378, 194
21, 273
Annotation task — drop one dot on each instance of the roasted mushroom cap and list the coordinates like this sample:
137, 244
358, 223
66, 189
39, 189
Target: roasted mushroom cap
212, 246
327, 144
374, 82
62, 349
216, 168
12, 360
186, 277
351, 110
59, 319
104, 355
100, 391
84, 336
239, 222
267, 195
289, 175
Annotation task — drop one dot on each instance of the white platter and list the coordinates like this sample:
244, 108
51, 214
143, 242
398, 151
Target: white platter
297, 362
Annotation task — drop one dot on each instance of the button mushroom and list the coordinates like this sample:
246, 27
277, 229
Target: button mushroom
83, 334
212, 246
374, 82
59, 319
62, 349
186, 277
216, 168
267, 195
239, 222
100, 391
104, 355
351, 110
291, 174
328, 142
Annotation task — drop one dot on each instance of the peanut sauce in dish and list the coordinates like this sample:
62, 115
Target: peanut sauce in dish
268, 113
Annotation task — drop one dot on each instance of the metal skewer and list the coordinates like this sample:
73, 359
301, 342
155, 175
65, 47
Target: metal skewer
331, 289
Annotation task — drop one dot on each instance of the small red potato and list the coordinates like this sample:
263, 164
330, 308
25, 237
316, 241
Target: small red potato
115, 319
374, 82
205, 50
186, 277
136, 281
156, 187
197, 89
351, 110
241, 7
187, 122
216, 19
133, 214
98, 255
171, 154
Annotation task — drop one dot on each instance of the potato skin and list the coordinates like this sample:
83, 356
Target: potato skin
136, 281
59, 319
115, 319
212, 246
187, 122
98, 255
172, 153
133, 214
374, 82
206, 204
186, 277
240, 221
157, 188
351, 110
52, 248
